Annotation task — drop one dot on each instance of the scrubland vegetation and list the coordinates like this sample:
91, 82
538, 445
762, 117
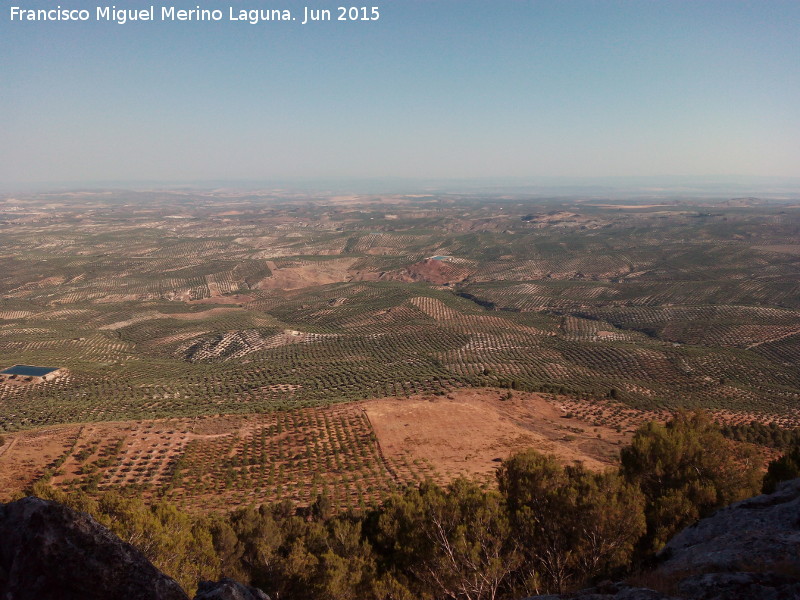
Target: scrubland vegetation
546, 527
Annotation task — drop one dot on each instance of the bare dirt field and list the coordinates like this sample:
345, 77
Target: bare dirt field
468, 432
293, 278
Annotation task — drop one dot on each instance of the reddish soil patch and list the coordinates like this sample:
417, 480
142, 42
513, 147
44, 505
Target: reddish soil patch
228, 461
25, 455
129, 453
135, 452
435, 271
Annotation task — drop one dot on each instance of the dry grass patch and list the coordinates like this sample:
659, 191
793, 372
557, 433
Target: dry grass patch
469, 431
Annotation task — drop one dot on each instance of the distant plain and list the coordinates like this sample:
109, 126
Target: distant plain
224, 347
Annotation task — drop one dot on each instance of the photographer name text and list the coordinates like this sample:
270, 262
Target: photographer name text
253, 16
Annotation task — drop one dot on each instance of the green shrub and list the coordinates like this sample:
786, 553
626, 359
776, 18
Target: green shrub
783, 468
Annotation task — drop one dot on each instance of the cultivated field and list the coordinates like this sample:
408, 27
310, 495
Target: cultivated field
223, 347
354, 453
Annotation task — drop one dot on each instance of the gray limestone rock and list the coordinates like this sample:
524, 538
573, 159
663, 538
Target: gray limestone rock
48, 551
758, 534
51, 552
228, 589
735, 586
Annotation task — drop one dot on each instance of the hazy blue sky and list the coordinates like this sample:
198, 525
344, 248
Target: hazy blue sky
433, 89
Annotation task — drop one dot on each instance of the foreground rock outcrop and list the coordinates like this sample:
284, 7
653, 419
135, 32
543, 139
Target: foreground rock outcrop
49, 551
749, 550
228, 589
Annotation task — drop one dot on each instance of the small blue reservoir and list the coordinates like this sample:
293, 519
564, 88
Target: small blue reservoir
28, 371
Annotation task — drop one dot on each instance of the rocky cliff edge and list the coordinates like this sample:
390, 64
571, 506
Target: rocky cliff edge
749, 550
49, 551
